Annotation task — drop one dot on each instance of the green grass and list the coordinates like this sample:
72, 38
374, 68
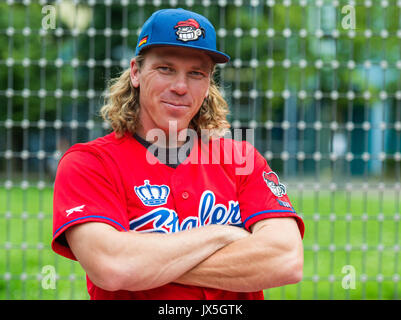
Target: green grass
23, 234
26, 228
357, 223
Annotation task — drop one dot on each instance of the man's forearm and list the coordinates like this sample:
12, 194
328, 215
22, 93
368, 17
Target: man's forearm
235, 267
164, 258
263, 260
136, 261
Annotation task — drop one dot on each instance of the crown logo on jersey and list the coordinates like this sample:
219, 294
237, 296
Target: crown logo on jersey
152, 195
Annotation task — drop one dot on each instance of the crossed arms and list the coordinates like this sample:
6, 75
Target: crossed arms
216, 256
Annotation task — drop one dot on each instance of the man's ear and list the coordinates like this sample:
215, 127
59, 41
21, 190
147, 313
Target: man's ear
134, 73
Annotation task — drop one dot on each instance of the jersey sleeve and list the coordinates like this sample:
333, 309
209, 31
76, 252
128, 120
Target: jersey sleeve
261, 194
85, 190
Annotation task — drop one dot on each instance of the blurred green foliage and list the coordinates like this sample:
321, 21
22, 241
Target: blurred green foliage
246, 47
299, 42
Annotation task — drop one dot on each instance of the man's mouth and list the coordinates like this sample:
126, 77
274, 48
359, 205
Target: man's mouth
175, 105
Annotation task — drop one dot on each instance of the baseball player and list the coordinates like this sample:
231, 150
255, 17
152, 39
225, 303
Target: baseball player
164, 207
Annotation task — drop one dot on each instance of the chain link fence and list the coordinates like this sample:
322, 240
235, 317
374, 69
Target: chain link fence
319, 82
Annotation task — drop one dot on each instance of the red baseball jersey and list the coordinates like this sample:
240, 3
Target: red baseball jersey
121, 183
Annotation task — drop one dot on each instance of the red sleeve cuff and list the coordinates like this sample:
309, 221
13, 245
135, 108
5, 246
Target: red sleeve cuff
266, 214
66, 251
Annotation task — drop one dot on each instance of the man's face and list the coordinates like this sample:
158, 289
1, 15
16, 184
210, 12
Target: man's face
173, 83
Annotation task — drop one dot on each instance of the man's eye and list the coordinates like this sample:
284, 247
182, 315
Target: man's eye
197, 74
165, 69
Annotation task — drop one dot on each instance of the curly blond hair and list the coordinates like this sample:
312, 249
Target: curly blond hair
121, 107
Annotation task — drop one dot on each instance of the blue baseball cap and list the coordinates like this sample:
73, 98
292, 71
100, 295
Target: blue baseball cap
181, 28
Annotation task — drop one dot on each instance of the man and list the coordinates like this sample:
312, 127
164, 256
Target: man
148, 223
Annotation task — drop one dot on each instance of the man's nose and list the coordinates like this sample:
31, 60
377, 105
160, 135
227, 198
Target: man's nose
180, 85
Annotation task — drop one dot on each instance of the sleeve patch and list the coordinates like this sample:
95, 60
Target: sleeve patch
273, 182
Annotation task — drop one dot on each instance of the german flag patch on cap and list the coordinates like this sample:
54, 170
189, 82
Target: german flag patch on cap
143, 41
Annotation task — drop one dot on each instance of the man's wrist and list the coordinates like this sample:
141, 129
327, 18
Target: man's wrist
229, 233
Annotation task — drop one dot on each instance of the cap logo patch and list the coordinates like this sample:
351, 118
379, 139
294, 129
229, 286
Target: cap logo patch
273, 182
189, 30
143, 41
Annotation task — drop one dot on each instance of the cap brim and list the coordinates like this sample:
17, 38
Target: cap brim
217, 56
